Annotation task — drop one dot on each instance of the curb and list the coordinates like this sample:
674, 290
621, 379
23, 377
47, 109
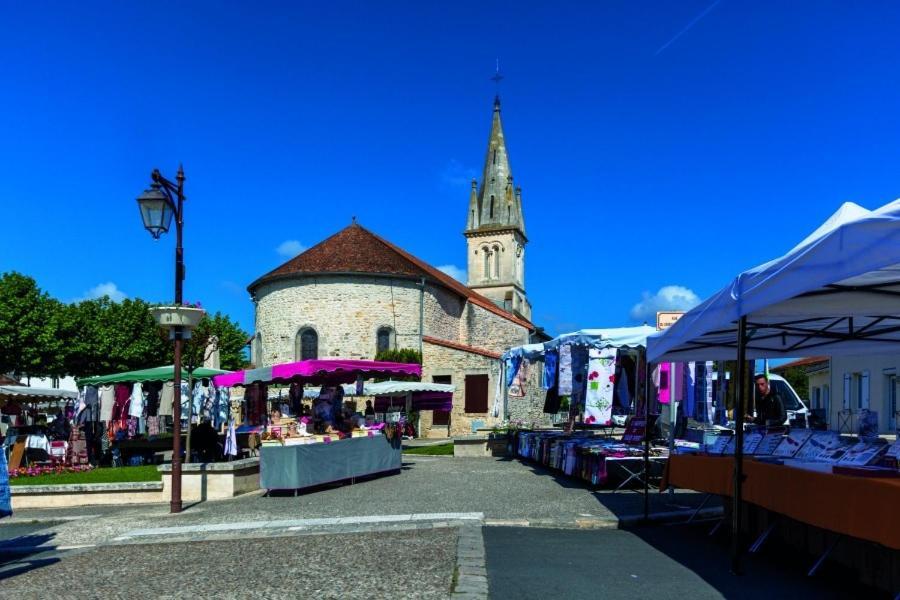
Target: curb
470, 576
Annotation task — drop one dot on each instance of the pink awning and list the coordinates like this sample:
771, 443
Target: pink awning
229, 379
319, 371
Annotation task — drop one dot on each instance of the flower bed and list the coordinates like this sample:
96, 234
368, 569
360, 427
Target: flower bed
36, 471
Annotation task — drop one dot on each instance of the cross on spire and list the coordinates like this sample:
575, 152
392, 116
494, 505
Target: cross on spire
497, 78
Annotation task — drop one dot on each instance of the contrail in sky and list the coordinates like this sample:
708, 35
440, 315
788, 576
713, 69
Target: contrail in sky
688, 27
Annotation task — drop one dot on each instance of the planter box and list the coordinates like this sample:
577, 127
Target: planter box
177, 316
85, 494
213, 481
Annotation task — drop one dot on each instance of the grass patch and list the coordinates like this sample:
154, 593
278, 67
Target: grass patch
436, 450
104, 475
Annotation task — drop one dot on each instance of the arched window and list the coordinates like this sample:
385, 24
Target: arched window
307, 344
384, 339
487, 263
496, 254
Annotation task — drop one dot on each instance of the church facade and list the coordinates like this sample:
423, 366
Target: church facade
355, 293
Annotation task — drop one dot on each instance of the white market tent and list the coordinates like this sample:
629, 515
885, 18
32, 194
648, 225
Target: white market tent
835, 293
615, 337
24, 393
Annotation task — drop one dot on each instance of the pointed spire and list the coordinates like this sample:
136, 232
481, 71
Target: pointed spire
496, 204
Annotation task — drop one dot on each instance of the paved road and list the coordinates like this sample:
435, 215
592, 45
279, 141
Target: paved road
415, 564
498, 488
657, 563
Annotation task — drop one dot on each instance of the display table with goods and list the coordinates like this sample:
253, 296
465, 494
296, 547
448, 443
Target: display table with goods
585, 455
842, 485
306, 444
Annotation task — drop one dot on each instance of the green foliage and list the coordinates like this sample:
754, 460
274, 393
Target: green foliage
435, 450
28, 340
40, 336
105, 475
796, 376
400, 355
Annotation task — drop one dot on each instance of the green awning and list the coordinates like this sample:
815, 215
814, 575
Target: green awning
166, 373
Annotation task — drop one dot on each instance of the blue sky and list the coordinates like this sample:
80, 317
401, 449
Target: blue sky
657, 143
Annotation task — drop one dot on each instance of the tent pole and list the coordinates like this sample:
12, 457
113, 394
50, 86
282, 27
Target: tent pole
739, 410
646, 439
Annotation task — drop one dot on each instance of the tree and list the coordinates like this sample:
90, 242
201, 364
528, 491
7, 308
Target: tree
400, 355
29, 344
798, 379
106, 337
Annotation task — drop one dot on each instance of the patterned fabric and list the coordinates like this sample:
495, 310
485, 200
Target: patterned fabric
551, 365
565, 370
600, 386
152, 426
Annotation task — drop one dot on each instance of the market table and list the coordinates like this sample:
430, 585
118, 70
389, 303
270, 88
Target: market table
860, 507
306, 465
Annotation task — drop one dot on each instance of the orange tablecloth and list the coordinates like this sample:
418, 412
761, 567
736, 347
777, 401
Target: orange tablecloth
861, 507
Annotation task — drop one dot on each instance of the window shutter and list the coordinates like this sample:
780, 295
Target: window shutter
864, 396
847, 378
476, 394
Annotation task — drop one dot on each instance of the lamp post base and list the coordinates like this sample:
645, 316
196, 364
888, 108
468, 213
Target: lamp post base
175, 506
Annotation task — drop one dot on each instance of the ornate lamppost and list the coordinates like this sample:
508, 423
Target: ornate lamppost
159, 204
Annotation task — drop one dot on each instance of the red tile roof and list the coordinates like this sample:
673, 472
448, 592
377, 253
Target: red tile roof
802, 362
456, 346
355, 249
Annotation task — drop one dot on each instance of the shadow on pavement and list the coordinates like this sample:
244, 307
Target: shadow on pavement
22, 554
626, 502
657, 562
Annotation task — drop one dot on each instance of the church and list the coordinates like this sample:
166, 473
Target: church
355, 294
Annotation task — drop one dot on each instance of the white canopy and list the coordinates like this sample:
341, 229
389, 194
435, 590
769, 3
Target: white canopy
614, 337
836, 293
24, 393
387, 388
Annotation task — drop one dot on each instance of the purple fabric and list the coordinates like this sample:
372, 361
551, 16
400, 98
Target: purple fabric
326, 371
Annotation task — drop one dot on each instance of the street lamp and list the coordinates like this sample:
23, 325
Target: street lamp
158, 205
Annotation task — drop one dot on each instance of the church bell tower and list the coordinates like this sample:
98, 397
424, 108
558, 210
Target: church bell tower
495, 229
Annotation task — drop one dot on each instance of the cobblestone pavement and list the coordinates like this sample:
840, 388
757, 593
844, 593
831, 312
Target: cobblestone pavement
402, 564
501, 490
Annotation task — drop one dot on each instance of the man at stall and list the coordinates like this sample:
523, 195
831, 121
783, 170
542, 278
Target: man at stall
769, 405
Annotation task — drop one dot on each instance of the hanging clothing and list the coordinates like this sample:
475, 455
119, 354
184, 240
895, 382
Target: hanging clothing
153, 389
512, 367
123, 398
703, 411
137, 406
167, 399
223, 406
107, 402
185, 400
689, 389
552, 401
551, 365
565, 370
601, 385
231, 447
664, 384
623, 392
91, 411
579, 376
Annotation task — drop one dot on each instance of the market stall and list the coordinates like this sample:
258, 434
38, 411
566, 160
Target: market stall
34, 423
600, 374
836, 293
324, 442
126, 417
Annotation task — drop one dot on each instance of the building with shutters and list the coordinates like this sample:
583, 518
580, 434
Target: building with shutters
356, 293
843, 386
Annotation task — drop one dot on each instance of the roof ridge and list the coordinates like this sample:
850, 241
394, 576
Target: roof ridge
450, 282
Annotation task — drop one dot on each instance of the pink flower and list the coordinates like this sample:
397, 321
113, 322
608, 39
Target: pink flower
612, 378
594, 375
590, 419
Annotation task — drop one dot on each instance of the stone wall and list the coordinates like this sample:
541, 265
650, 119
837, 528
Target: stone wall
530, 408
481, 328
346, 312
440, 360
